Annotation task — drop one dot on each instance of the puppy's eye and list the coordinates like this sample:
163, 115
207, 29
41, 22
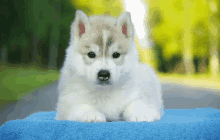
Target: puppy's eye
91, 55
116, 55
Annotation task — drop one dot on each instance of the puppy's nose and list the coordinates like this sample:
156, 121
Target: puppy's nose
103, 75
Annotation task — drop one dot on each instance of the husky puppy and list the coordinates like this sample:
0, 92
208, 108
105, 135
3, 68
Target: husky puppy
102, 78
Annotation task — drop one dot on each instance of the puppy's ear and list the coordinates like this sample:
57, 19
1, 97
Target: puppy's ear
124, 22
80, 24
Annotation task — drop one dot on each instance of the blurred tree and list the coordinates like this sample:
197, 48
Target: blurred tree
181, 27
214, 26
200, 35
66, 17
19, 35
19, 41
187, 37
7, 15
30, 27
166, 19
3, 54
55, 34
40, 16
201, 43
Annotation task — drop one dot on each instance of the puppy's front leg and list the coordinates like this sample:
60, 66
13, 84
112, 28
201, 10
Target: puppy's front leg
139, 111
85, 113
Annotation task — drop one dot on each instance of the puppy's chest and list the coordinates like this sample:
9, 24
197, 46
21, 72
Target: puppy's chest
113, 104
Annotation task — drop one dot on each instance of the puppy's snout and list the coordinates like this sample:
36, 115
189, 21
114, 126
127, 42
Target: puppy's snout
103, 75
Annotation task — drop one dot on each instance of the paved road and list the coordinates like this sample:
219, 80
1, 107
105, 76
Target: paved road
174, 95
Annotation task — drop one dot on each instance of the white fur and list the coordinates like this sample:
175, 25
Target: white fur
134, 95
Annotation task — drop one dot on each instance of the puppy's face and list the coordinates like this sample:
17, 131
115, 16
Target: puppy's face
103, 46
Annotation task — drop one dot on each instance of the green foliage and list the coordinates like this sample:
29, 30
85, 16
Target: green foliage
25, 19
180, 25
98, 7
22, 40
201, 39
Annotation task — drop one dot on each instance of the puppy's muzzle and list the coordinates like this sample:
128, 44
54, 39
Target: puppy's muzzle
103, 75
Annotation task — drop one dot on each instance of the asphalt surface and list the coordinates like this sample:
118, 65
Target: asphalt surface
174, 96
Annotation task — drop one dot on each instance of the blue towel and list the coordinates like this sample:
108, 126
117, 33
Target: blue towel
200, 123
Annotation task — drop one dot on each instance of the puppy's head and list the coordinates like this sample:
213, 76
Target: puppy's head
102, 47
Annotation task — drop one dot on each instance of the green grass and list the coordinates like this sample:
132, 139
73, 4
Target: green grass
15, 82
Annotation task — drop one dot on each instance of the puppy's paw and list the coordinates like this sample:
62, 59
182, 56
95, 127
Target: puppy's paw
148, 115
139, 112
93, 116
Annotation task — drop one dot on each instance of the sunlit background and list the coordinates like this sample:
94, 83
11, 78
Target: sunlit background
182, 37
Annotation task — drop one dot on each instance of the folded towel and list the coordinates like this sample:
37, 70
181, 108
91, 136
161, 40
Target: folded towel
200, 123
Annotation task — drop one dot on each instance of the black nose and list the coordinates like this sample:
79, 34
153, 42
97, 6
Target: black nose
103, 75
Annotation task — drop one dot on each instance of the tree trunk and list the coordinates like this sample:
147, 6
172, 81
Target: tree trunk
187, 45
54, 41
213, 36
24, 55
35, 57
202, 66
4, 55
